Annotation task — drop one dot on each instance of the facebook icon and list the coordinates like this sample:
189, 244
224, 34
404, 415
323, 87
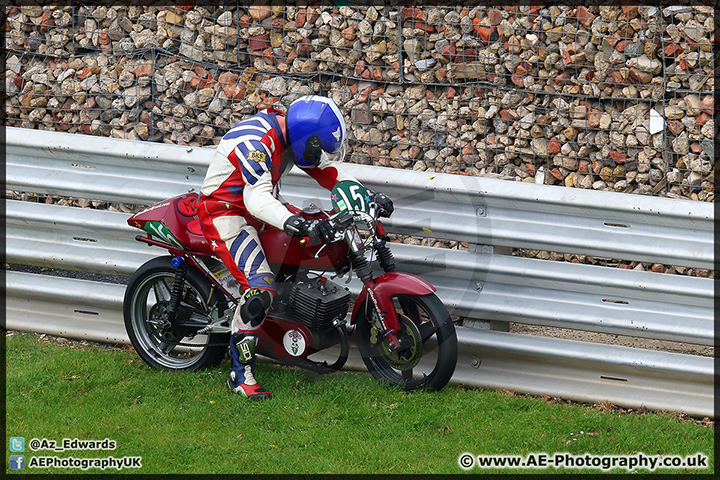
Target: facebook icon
17, 462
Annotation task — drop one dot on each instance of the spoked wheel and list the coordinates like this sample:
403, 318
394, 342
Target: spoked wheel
158, 343
428, 349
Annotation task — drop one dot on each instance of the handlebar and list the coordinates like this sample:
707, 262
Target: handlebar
340, 222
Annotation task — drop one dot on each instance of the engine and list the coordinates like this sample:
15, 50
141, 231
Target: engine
317, 303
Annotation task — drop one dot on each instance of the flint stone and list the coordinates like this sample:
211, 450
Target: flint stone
10, 87
527, 121
681, 144
424, 65
643, 62
540, 147
634, 49
642, 135
361, 158
708, 147
694, 32
34, 41
225, 19
217, 105
277, 87
389, 123
418, 107
135, 95
673, 112
13, 64
413, 48
693, 105
103, 102
360, 114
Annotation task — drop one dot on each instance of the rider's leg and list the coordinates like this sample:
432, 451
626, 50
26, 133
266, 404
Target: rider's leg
238, 246
249, 316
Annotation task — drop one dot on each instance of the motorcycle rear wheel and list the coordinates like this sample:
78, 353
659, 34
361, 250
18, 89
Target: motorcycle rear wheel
147, 296
428, 358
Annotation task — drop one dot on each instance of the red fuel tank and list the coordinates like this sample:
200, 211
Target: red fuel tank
282, 249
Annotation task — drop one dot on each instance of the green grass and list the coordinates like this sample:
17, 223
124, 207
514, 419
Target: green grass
340, 423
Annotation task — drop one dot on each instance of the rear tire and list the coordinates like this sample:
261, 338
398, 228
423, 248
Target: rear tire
147, 296
428, 359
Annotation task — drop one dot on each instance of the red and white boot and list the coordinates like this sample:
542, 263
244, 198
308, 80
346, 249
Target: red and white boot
242, 378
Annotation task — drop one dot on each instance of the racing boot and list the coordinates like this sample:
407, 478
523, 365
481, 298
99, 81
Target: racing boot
242, 379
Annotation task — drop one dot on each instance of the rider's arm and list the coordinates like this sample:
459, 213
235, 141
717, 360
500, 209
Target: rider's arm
328, 173
257, 195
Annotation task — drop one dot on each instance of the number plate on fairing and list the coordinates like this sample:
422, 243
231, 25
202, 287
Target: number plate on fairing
350, 196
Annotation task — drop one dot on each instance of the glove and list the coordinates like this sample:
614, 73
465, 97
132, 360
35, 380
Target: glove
384, 202
317, 230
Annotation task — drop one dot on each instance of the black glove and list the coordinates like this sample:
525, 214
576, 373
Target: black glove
384, 202
317, 230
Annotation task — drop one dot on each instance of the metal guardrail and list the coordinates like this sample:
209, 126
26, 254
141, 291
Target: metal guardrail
473, 283
580, 371
484, 210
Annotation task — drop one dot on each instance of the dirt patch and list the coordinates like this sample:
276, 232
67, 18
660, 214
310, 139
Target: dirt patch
611, 339
72, 343
608, 407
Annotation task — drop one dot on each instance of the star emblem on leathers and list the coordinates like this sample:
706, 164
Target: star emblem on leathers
213, 244
236, 189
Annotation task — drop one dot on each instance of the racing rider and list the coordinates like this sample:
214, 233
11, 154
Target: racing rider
239, 194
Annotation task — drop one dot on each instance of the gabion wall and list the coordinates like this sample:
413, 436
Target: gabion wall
596, 97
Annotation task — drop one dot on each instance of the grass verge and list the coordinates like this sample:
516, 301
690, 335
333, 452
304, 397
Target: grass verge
188, 423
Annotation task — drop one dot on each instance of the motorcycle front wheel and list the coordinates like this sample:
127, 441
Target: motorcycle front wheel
161, 346
428, 352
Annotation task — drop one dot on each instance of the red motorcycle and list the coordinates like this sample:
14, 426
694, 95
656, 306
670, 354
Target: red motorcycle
178, 308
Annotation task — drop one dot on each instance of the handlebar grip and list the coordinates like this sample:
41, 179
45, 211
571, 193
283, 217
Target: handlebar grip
345, 220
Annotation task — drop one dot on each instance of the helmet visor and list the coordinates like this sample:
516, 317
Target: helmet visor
338, 156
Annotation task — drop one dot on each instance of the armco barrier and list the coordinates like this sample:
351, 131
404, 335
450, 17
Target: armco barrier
475, 283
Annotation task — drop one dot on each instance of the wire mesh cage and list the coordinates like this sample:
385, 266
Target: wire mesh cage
594, 96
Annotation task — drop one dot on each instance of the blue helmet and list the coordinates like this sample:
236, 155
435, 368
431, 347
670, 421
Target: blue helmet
314, 125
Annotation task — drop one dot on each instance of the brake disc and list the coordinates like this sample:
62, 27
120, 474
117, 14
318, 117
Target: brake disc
409, 353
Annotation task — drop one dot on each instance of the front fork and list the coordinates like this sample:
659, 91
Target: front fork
387, 323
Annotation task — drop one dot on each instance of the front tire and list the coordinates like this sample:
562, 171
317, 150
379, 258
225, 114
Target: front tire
146, 298
428, 357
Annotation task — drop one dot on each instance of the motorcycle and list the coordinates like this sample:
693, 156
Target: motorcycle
178, 308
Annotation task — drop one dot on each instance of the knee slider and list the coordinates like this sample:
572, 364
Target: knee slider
255, 306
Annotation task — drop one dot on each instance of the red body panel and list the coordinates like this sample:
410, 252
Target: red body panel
271, 337
179, 215
281, 249
388, 285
